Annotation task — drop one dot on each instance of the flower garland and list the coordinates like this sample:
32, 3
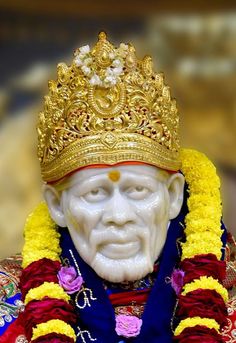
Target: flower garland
202, 249
42, 251
49, 315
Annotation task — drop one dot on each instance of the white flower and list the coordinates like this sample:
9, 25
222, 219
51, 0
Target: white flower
86, 70
78, 61
109, 72
95, 80
112, 55
117, 71
110, 80
84, 49
113, 82
116, 63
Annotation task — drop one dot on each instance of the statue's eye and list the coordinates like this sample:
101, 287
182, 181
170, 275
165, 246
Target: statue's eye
96, 194
139, 189
95, 191
138, 192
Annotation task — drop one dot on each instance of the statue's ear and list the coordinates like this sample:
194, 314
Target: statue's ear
175, 185
52, 198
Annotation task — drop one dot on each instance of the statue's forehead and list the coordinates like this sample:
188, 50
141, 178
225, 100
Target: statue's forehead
115, 173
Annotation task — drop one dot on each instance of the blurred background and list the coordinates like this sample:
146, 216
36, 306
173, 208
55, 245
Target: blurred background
193, 43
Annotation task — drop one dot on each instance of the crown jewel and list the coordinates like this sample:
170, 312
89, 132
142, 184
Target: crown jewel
107, 107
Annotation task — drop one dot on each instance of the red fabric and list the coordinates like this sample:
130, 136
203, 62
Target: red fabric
199, 334
14, 330
38, 272
230, 257
203, 265
228, 332
203, 303
37, 312
126, 298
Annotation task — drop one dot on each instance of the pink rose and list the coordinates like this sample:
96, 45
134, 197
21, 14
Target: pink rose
177, 280
128, 326
69, 280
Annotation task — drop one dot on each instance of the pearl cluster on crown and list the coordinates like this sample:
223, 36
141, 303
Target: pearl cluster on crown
85, 61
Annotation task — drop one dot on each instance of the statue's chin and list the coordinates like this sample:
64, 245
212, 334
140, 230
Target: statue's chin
120, 270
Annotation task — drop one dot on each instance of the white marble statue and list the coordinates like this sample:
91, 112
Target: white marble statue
117, 217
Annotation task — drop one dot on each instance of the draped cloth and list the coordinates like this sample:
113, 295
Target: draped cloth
98, 319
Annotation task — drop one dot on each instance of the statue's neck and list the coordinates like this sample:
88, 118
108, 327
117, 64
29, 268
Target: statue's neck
144, 283
130, 297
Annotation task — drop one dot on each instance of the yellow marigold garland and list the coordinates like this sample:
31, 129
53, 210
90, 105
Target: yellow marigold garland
194, 321
46, 289
202, 243
55, 325
41, 237
205, 282
203, 182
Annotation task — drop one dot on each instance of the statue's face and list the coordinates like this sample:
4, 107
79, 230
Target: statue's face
118, 218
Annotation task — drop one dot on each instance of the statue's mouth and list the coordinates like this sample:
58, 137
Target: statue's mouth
118, 250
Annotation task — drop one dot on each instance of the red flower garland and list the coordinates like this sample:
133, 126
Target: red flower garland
37, 312
203, 265
203, 303
38, 272
199, 334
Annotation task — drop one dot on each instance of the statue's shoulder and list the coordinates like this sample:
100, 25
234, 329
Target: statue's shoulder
10, 300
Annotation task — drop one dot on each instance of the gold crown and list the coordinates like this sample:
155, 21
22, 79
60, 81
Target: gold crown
107, 107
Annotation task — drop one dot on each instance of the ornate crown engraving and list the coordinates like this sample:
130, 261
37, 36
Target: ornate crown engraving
107, 107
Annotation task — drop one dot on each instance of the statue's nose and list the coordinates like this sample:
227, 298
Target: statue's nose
119, 211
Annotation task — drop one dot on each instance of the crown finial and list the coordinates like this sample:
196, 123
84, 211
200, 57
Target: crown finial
102, 35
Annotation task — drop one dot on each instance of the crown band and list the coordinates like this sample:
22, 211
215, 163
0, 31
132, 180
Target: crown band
109, 149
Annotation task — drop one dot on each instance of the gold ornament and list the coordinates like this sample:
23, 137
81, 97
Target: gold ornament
107, 107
